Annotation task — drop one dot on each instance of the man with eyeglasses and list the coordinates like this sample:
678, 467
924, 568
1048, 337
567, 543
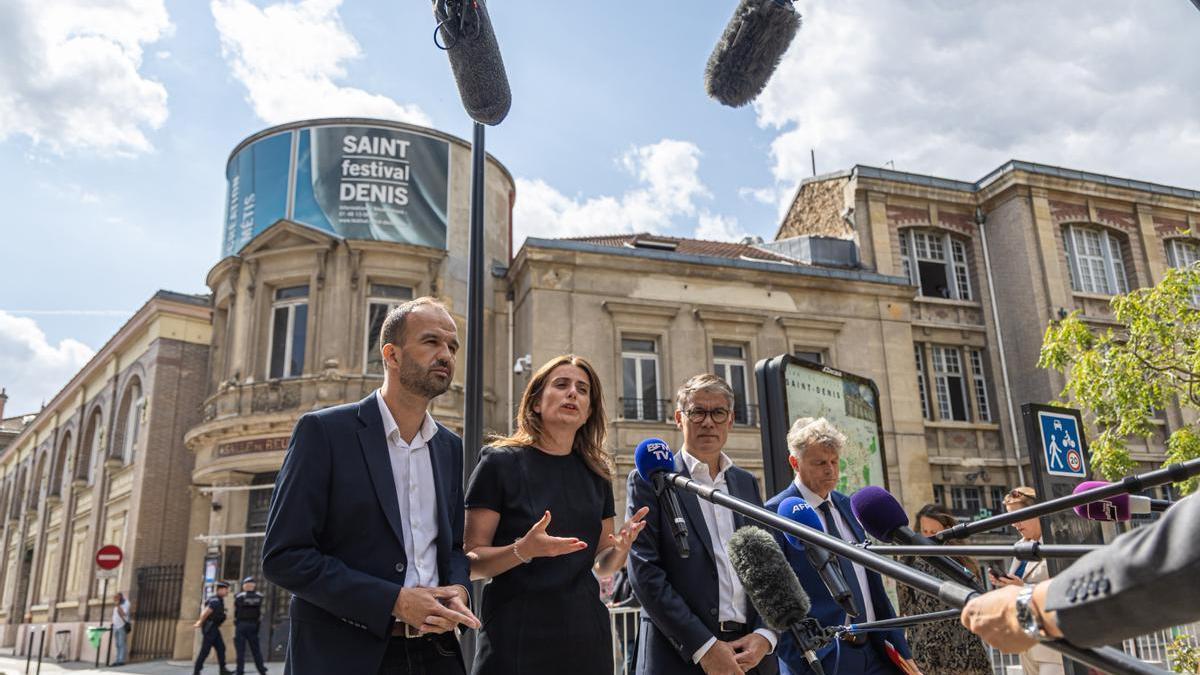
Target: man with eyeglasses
695, 614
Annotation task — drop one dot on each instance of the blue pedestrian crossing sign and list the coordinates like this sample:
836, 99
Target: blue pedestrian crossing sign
1062, 445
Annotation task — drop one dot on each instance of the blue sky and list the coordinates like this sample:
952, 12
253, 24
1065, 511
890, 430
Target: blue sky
116, 120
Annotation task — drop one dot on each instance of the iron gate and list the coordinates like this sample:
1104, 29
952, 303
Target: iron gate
155, 612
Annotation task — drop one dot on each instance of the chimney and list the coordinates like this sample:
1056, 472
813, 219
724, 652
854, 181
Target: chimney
3, 400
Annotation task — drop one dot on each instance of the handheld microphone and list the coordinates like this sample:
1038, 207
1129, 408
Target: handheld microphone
1118, 507
825, 564
467, 37
654, 460
772, 586
750, 49
883, 517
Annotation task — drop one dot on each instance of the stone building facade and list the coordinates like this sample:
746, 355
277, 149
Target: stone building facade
103, 463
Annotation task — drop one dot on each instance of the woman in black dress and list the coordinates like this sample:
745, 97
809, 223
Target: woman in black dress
540, 524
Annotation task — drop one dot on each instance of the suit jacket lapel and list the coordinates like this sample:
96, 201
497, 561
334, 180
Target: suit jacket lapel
379, 463
842, 502
691, 509
438, 450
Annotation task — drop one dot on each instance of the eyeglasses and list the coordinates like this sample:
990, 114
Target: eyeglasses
697, 415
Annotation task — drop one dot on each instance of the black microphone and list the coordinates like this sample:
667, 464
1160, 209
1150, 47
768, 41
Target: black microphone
825, 564
467, 37
882, 516
654, 461
772, 586
750, 49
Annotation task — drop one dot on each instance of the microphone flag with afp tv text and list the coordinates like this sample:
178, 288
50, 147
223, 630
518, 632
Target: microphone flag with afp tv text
826, 565
884, 518
772, 586
464, 31
750, 49
654, 461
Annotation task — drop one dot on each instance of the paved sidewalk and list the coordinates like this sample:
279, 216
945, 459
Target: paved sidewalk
16, 666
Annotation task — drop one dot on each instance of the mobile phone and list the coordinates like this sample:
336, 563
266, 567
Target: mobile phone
997, 571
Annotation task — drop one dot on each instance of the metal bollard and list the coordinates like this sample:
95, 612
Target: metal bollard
41, 648
108, 653
28, 649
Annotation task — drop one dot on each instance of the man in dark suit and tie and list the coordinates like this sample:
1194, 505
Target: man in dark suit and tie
366, 523
814, 447
695, 614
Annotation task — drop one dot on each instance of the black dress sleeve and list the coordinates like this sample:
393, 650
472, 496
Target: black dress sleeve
485, 490
609, 508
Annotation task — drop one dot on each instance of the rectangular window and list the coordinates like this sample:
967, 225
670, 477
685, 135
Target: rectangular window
965, 499
936, 263
289, 331
981, 388
1182, 254
951, 388
809, 355
998, 494
1096, 262
922, 388
381, 299
729, 364
639, 368
939, 494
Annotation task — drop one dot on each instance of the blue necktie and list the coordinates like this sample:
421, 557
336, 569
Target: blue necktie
831, 527
1020, 571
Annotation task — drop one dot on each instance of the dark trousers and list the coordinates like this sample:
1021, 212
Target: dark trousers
432, 655
866, 659
246, 633
212, 640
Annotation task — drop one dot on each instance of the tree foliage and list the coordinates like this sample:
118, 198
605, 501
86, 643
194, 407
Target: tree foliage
1123, 376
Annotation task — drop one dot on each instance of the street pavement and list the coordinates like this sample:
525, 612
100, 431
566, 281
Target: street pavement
16, 666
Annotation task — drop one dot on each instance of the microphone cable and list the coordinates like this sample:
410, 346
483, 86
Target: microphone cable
452, 8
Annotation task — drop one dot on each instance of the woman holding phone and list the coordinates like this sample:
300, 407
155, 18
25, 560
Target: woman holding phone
1040, 659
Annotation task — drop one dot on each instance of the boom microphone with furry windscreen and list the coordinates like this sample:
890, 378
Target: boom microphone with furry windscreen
465, 32
775, 591
750, 49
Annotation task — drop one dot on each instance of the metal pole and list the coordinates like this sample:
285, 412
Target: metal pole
1175, 473
28, 649
108, 652
100, 622
41, 649
1030, 550
473, 413
473, 405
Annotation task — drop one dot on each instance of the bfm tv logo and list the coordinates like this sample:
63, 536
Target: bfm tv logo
660, 451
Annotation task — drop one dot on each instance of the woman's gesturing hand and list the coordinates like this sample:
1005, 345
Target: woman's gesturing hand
537, 543
623, 539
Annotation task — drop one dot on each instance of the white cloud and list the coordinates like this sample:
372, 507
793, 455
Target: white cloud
669, 186
69, 74
714, 227
289, 56
955, 89
35, 370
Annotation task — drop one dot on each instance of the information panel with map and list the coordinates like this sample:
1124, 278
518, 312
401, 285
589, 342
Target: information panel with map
790, 388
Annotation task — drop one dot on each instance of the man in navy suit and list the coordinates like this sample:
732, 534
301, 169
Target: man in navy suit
814, 448
366, 523
696, 617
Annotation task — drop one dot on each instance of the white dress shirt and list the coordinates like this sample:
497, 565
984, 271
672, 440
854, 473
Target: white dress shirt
412, 471
814, 500
731, 597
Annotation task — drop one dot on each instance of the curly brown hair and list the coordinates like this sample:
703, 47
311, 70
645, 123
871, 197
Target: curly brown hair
589, 439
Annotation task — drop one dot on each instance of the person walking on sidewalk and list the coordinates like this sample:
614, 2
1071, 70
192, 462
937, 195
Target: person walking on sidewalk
247, 608
209, 624
120, 627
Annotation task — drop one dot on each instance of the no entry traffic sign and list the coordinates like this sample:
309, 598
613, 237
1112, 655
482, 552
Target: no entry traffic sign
109, 557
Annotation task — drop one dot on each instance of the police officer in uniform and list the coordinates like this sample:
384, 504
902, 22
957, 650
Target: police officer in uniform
247, 608
209, 624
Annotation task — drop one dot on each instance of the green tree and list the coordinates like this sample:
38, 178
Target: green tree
1122, 375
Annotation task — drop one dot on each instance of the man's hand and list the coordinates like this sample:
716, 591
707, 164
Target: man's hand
434, 610
749, 650
993, 617
720, 659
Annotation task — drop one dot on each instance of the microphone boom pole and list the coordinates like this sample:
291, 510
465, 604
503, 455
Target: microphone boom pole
1104, 658
1174, 473
1020, 551
902, 621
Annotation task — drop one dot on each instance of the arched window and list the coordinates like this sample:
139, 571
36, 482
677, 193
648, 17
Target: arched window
1096, 260
936, 262
1183, 253
129, 422
38, 481
60, 463
93, 445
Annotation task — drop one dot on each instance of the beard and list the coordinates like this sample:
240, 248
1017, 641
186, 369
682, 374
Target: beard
420, 380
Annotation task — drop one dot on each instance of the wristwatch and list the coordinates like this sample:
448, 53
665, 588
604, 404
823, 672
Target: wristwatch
1027, 616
